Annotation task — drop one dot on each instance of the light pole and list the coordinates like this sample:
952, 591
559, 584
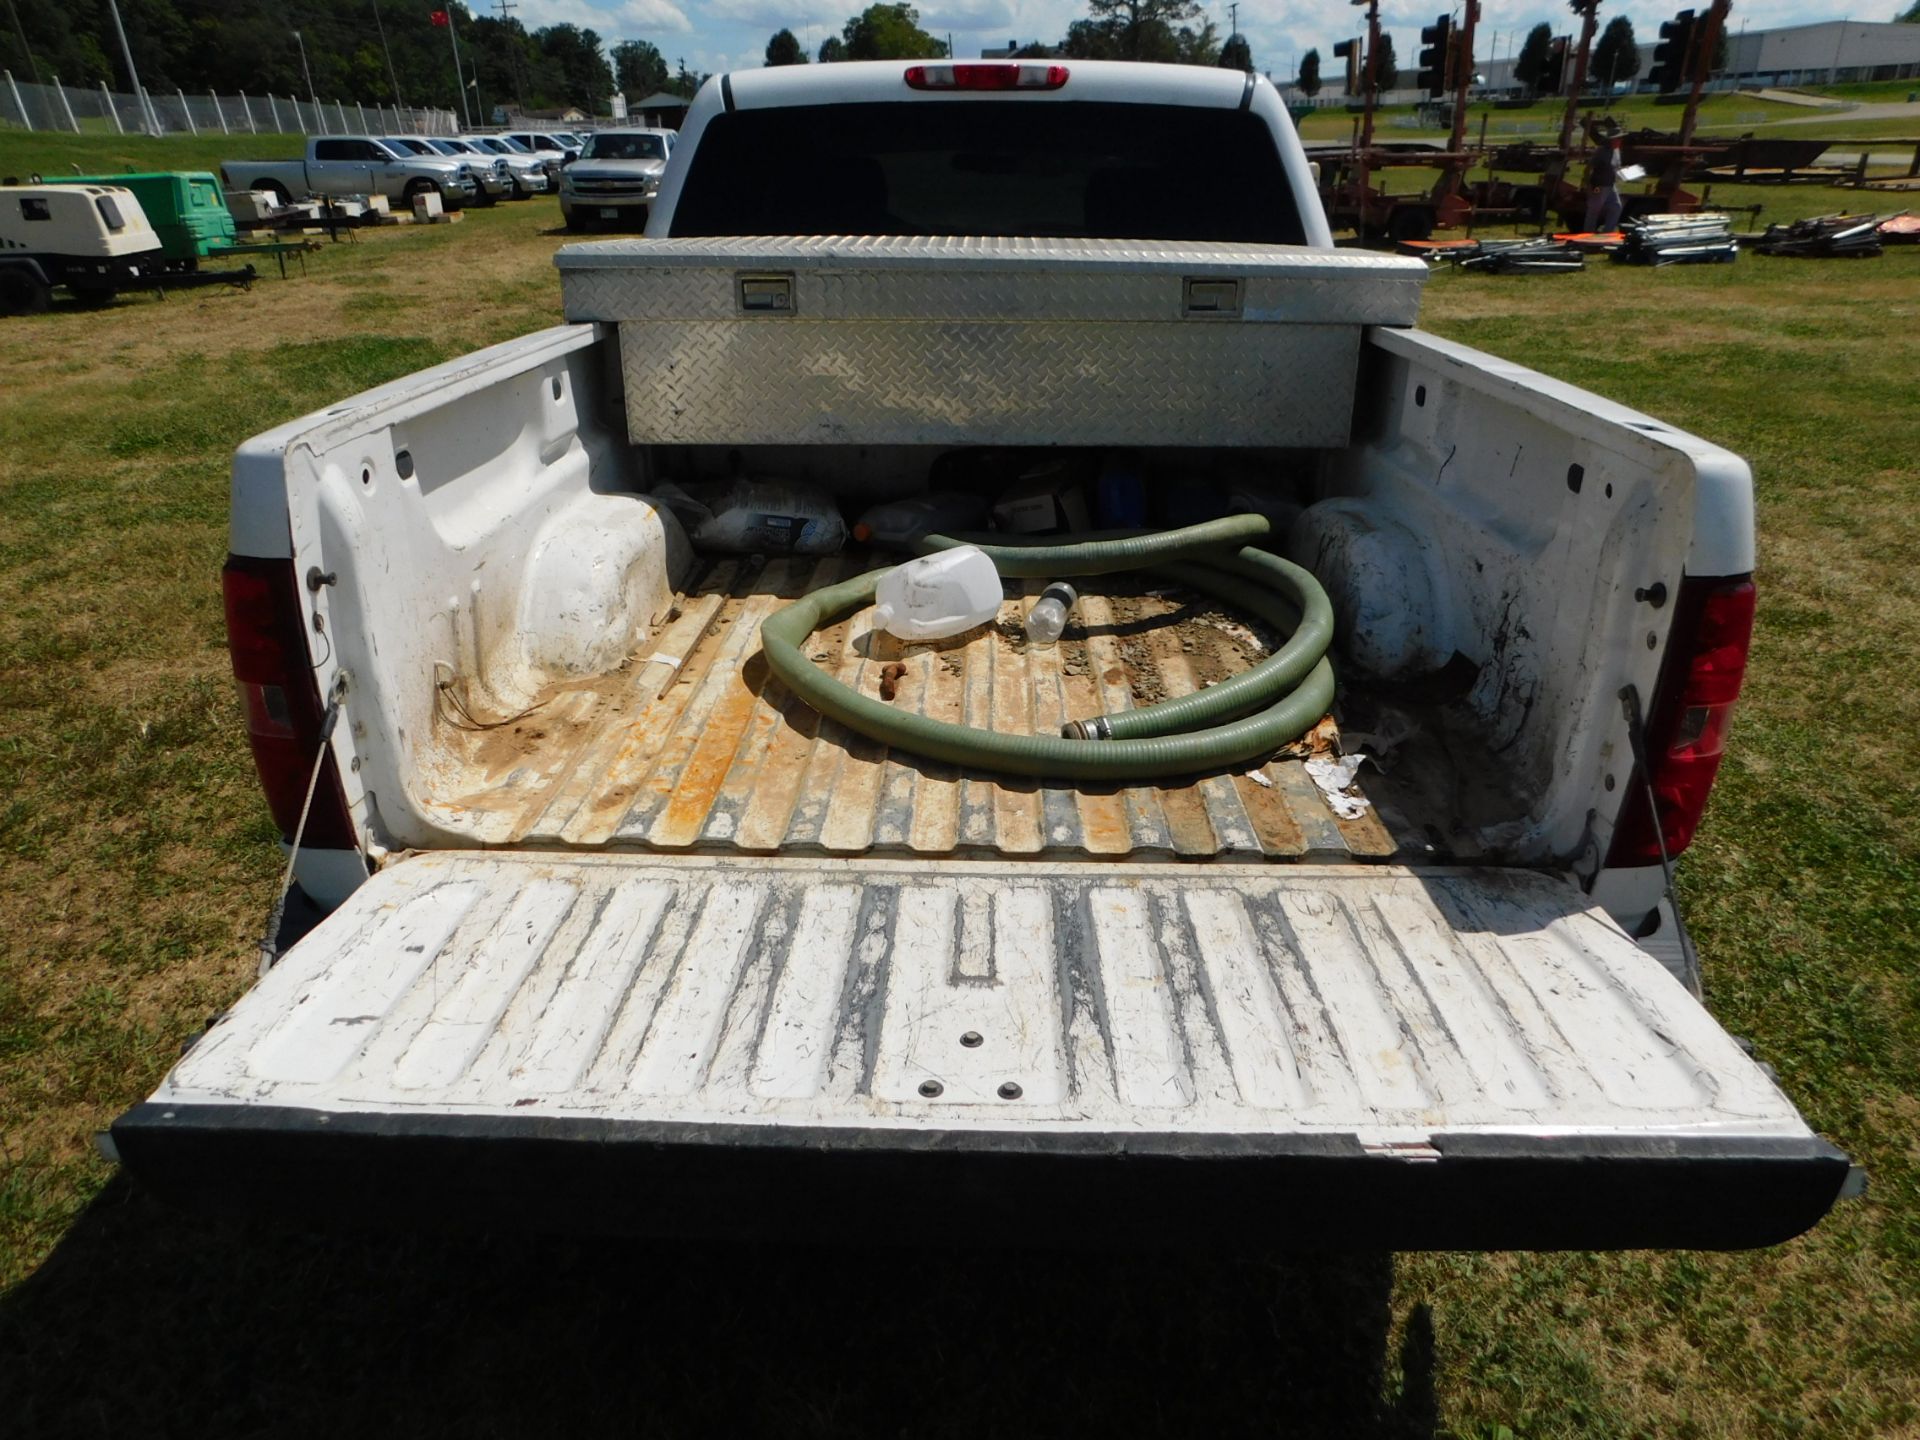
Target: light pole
312, 94
149, 119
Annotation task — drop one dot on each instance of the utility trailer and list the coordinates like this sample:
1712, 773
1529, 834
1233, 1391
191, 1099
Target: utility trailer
624, 936
189, 213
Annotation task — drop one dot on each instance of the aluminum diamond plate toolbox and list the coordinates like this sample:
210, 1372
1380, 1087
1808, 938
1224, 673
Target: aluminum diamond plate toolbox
938, 341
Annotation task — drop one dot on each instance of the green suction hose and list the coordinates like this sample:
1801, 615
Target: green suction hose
1250, 715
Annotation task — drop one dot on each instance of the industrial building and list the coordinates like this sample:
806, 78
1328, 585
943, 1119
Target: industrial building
1831, 52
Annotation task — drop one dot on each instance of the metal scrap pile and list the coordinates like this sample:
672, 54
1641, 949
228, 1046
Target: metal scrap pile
1544, 256
1703, 239
1825, 237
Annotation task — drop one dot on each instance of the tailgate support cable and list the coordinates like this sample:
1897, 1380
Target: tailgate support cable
1637, 739
336, 693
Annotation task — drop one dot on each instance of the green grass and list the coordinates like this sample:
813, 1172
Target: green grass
1869, 92
137, 862
1735, 114
24, 153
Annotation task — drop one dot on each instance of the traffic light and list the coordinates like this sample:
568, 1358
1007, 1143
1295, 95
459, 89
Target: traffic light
1436, 53
1554, 72
1349, 51
1670, 55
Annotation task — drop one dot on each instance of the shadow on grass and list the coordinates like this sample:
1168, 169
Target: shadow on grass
149, 1320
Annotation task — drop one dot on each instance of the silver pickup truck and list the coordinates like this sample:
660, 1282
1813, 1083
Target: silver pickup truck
623, 933
340, 165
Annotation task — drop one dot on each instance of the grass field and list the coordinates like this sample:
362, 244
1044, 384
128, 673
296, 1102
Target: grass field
1719, 115
137, 863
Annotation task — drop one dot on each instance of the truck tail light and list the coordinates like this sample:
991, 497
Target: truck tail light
1686, 726
266, 637
986, 77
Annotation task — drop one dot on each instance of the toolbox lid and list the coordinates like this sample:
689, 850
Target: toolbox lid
948, 276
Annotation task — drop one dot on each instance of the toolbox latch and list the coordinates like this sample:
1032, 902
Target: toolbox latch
766, 294
1212, 297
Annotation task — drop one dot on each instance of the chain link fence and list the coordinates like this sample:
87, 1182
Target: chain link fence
101, 111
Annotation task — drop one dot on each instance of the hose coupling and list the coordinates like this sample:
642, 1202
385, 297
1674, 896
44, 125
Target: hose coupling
1094, 729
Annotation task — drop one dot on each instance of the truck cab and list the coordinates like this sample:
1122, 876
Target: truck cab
643, 914
346, 165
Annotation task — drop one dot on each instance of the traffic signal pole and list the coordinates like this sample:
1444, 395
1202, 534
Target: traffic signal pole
1709, 41
1371, 92
1589, 13
1463, 74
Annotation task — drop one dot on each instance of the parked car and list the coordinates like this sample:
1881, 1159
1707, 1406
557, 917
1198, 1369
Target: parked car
528, 171
92, 239
615, 178
490, 174
340, 165
639, 919
547, 145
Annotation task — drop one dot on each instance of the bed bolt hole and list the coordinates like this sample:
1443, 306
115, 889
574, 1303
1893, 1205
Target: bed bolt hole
1609, 782
556, 387
1576, 477
1609, 490
1653, 641
403, 462
1009, 1090
1420, 395
931, 1089
366, 474
972, 1039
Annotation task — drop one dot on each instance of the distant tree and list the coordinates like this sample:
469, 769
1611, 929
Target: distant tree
585, 78
1615, 56
686, 83
1912, 17
890, 32
1162, 30
1038, 50
1309, 82
1386, 69
784, 49
639, 68
1236, 54
1535, 51
832, 48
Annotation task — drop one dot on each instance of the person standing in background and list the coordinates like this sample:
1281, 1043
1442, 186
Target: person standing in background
1603, 181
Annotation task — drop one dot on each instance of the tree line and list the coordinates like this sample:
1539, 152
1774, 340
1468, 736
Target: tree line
371, 51
1172, 31
387, 52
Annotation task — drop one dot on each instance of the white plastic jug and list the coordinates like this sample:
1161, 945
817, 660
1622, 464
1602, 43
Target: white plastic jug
938, 595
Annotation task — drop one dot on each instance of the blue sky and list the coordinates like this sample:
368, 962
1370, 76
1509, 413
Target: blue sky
732, 34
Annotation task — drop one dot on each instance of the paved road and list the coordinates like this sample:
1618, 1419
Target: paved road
1893, 110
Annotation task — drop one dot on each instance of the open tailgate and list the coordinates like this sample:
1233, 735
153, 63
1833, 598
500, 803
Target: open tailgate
1252, 1055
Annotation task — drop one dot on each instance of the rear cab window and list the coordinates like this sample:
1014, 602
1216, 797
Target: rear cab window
1077, 170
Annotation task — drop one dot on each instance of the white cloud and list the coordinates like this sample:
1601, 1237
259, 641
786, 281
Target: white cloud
642, 16
938, 16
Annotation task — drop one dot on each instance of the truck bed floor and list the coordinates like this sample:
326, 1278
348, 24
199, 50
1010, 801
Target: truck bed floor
693, 746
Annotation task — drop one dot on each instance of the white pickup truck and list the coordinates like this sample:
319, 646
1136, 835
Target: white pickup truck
622, 934
340, 165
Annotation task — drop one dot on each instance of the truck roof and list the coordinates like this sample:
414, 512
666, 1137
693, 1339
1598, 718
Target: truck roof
1109, 81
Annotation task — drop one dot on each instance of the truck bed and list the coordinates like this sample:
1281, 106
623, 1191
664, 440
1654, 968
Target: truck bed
692, 746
